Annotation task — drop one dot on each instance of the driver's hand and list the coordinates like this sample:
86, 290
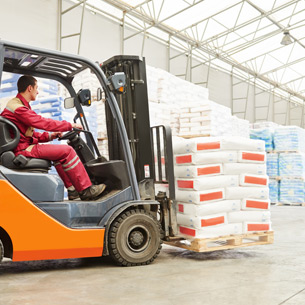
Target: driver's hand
55, 135
76, 125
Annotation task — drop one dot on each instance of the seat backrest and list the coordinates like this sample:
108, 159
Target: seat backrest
8, 143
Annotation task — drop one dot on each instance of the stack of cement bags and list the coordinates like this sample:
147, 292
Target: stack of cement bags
221, 186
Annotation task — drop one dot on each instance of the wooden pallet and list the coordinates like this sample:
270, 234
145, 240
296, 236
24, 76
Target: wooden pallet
302, 204
224, 242
194, 136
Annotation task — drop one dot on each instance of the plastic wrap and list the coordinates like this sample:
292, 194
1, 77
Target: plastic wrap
273, 190
292, 165
289, 138
291, 191
272, 164
264, 134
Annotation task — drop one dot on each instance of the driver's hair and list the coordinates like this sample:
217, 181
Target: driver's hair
25, 81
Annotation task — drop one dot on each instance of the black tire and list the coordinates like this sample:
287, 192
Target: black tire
1, 251
134, 238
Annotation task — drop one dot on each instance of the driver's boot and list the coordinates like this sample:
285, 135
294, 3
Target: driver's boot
92, 193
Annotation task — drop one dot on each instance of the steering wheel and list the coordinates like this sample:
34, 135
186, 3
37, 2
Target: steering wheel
69, 135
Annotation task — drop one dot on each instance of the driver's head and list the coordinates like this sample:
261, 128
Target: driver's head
27, 86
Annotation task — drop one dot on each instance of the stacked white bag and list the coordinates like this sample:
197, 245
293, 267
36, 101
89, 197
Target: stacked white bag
221, 186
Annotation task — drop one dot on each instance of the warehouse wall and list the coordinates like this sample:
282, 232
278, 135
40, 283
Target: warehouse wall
35, 22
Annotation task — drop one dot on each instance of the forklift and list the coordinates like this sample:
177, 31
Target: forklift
130, 221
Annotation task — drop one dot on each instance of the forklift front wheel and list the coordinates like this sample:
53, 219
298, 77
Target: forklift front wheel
1, 251
134, 238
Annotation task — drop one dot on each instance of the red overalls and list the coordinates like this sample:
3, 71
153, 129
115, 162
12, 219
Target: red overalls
66, 161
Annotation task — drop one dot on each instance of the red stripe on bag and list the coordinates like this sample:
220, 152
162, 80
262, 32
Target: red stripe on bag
257, 204
207, 146
255, 180
211, 196
184, 159
253, 156
208, 170
212, 221
181, 208
185, 184
258, 227
187, 231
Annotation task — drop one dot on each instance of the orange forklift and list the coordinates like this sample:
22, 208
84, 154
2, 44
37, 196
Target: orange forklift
129, 222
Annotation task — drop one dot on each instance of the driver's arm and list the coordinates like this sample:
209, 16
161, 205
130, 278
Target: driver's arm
30, 118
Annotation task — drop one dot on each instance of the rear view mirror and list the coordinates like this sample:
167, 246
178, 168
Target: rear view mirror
69, 103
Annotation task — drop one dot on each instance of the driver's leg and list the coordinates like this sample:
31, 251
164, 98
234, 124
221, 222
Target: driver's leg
70, 169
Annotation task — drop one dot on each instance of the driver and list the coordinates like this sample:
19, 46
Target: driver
66, 161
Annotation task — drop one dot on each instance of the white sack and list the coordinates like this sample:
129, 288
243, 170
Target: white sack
251, 157
255, 204
192, 171
254, 180
241, 168
210, 232
209, 208
206, 158
206, 183
199, 222
241, 192
253, 216
199, 197
205, 144
251, 227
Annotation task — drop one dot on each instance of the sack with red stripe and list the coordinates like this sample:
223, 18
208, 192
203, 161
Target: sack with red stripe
251, 157
193, 171
199, 222
251, 227
241, 192
241, 168
215, 207
199, 197
210, 232
254, 180
255, 204
206, 144
206, 158
242, 216
205, 183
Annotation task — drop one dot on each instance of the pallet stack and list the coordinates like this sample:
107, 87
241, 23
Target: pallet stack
221, 187
285, 161
289, 143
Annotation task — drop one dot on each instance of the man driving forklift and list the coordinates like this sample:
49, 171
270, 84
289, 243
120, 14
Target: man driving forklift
66, 161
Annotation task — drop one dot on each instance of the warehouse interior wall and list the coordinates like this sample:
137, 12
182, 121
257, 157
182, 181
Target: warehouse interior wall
36, 22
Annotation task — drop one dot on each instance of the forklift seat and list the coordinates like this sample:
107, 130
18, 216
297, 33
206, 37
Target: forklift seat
8, 144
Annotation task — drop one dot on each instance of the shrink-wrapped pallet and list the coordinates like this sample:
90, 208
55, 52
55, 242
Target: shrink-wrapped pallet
292, 165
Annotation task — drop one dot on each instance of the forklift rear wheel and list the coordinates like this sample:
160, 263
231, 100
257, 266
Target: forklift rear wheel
1, 251
134, 238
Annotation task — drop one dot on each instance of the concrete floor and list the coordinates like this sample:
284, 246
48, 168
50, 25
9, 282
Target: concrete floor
269, 274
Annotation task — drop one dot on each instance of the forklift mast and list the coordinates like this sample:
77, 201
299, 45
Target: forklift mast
151, 148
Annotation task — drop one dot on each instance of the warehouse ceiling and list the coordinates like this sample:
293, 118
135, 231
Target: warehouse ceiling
244, 36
